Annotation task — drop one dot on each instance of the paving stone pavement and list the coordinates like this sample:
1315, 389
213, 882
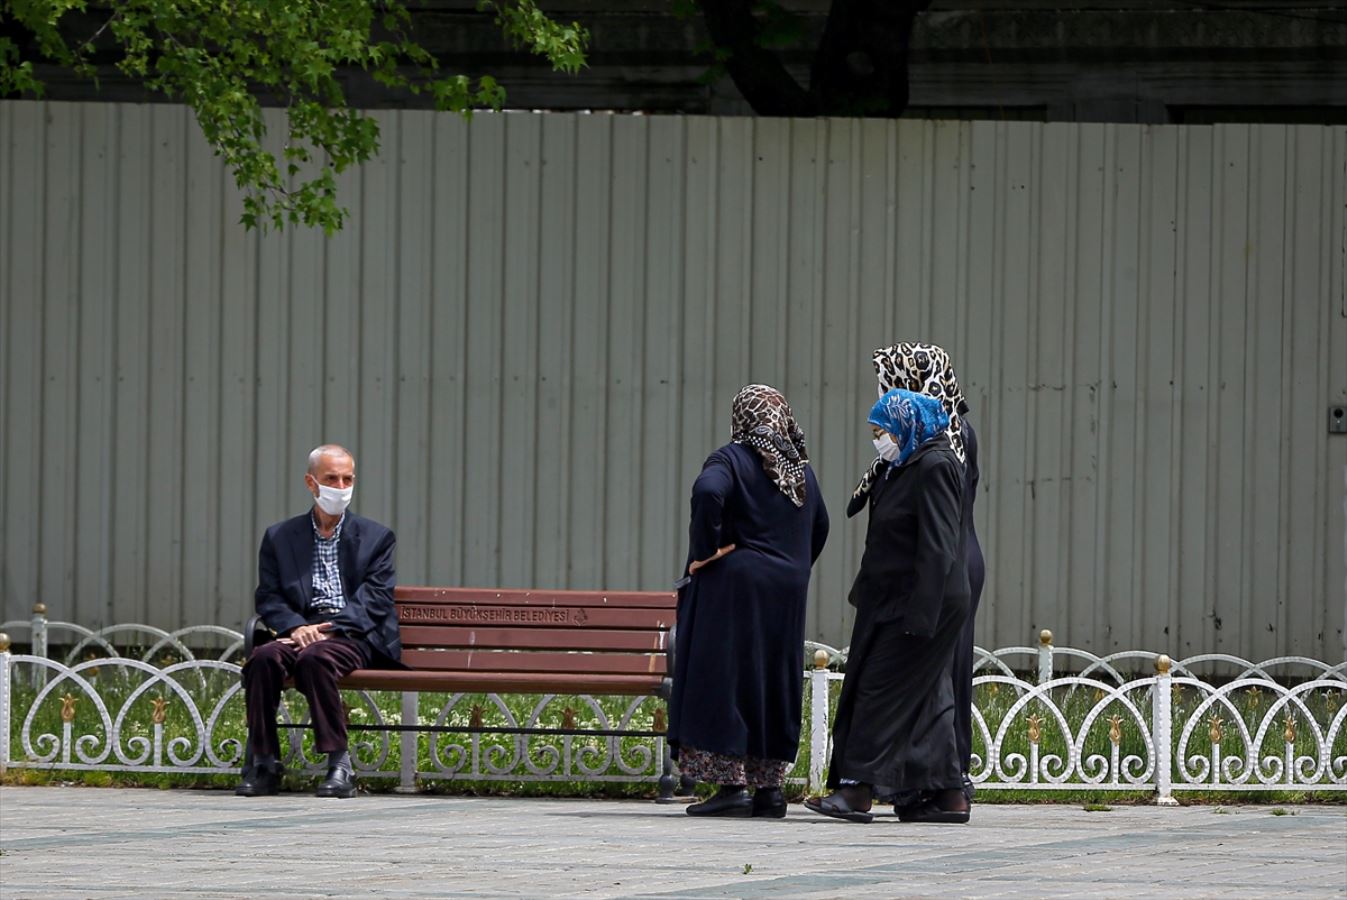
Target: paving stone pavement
102, 843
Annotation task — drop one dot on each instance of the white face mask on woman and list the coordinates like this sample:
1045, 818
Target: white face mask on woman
886, 448
334, 501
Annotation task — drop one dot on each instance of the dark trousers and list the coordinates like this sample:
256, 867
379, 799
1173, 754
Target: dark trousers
316, 670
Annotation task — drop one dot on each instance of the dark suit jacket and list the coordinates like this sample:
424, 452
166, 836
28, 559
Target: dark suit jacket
365, 557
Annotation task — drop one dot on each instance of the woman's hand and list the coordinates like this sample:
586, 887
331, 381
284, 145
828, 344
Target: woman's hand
697, 564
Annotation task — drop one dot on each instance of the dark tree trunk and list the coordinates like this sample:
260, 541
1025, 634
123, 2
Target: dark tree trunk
859, 69
757, 71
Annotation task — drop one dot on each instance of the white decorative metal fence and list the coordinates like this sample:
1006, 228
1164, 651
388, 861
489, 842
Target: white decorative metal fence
1274, 725
164, 708
1210, 722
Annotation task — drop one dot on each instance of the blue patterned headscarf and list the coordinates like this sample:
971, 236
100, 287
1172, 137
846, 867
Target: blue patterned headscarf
912, 419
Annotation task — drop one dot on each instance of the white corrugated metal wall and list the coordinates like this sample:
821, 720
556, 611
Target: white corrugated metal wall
531, 329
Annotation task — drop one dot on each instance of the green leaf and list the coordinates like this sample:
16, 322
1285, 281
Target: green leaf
219, 58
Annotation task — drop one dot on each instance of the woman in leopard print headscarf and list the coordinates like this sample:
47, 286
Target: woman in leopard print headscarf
927, 369
922, 369
758, 524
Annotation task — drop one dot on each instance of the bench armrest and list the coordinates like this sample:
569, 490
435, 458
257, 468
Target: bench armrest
666, 686
255, 633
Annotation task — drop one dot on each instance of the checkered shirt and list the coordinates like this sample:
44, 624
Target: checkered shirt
328, 596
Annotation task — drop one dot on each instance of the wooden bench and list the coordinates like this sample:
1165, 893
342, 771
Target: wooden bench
527, 642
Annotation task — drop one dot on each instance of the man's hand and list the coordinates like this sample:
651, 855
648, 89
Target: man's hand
305, 635
697, 564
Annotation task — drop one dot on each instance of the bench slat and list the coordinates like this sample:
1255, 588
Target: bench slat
533, 616
516, 661
492, 641
488, 597
414, 636
501, 682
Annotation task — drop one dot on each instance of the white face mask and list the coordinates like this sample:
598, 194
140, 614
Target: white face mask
334, 501
886, 448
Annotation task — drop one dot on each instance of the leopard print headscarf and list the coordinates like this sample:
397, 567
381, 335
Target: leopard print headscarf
922, 369
762, 419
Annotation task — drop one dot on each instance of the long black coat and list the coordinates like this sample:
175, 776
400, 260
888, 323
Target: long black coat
977, 576
977, 565
895, 722
738, 682
915, 556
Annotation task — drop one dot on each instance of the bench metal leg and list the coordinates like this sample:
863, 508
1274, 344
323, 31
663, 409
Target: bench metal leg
408, 742
246, 769
666, 780
671, 787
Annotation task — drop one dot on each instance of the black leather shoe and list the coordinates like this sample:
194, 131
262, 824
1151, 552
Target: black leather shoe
949, 807
769, 803
729, 802
931, 813
339, 783
259, 782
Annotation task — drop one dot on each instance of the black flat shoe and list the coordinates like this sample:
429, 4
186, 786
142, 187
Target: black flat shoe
259, 782
903, 810
932, 814
835, 806
730, 803
769, 803
339, 783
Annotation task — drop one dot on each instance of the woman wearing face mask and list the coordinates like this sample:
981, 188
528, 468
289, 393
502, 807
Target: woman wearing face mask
895, 717
758, 524
927, 369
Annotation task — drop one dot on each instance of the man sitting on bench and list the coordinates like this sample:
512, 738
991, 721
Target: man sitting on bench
325, 586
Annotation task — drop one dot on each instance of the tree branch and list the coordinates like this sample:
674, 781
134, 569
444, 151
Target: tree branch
757, 72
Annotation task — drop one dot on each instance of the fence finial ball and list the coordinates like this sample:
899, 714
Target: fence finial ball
39, 608
820, 659
1162, 664
4, 642
1045, 637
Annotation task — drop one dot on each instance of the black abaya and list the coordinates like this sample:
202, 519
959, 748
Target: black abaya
977, 575
738, 659
895, 721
